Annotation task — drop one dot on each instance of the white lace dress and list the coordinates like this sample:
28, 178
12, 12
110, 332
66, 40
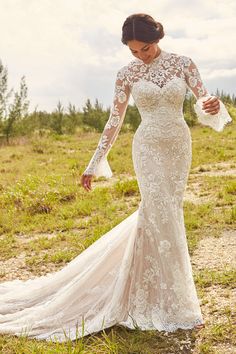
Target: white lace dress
139, 273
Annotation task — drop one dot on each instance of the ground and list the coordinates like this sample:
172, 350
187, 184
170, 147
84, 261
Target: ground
47, 219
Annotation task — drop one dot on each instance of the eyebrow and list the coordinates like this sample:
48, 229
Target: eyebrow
146, 45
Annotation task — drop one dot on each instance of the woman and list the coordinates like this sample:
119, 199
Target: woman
139, 273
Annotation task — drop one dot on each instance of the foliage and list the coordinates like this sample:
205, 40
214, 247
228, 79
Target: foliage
11, 112
4, 95
16, 110
57, 119
226, 98
188, 108
16, 121
94, 116
132, 117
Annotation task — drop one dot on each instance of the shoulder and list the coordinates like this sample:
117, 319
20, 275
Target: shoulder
122, 72
185, 61
180, 59
127, 71
135, 63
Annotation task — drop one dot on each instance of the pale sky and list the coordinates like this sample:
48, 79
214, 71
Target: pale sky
71, 50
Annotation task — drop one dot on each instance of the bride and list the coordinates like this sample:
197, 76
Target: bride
139, 273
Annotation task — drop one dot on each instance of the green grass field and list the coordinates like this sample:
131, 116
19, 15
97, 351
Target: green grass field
48, 218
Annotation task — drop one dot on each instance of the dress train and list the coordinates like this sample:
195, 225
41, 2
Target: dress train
88, 294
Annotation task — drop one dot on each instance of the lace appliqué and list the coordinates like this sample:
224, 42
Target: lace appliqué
158, 88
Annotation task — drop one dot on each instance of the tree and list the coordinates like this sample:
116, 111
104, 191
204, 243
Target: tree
11, 112
57, 119
16, 110
132, 117
94, 116
72, 119
4, 94
188, 108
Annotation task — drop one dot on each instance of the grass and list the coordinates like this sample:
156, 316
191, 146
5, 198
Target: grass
48, 216
116, 340
207, 277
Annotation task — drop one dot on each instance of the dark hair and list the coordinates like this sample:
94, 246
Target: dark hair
141, 27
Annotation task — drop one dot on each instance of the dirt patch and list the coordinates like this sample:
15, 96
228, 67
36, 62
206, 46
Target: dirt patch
33, 237
111, 181
16, 268
216, 253
217, 303
224, 349
216, 169
194, 194
217, 307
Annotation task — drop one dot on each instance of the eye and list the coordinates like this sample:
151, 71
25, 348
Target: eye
145, 50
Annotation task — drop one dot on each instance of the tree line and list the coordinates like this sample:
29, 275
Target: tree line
15, 119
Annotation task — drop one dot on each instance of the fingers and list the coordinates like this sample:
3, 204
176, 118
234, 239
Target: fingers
211, 105
211, 98
86, 182
211, 102
89, 183
86, 185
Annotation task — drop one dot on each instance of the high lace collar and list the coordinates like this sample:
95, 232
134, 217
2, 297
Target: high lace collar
154, 61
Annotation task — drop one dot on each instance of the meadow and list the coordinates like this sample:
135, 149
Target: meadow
47, 219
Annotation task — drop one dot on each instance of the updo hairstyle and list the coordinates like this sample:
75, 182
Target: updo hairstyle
143, 28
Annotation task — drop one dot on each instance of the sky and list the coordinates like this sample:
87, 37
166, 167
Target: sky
71, 50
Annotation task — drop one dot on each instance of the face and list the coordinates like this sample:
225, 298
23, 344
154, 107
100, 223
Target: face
144, 51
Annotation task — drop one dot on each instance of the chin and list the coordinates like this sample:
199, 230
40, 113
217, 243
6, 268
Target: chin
147, 60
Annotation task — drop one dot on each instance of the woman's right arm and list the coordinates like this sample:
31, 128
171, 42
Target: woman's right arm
98, 165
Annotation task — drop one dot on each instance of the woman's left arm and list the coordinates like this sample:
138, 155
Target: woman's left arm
209, 109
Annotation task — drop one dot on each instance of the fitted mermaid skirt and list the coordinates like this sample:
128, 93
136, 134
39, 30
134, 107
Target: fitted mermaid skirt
162, 292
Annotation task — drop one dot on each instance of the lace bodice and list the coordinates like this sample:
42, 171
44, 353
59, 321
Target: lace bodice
158, 90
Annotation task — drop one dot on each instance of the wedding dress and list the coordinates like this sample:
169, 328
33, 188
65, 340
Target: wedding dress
139, 273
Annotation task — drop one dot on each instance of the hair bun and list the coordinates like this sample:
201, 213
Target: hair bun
160, 30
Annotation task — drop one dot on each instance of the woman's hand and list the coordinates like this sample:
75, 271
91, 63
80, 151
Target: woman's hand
211, 105
86, 182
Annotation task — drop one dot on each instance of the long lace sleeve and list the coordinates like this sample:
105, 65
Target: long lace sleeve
98, 165
194, 82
